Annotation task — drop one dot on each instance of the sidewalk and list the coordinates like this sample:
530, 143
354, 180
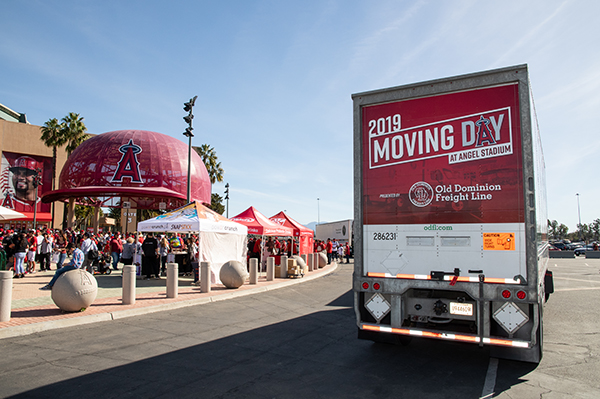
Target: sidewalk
34, 311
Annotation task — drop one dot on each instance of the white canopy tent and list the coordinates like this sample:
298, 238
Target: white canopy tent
220, 239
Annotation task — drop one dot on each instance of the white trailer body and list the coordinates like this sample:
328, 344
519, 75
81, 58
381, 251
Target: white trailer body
450, 211
340, 230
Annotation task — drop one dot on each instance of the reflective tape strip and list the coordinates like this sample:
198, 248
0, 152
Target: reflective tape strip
447, 336
490, 280
505, 342
463, 279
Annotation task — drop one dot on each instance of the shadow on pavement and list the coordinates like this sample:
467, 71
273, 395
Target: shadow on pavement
313, 356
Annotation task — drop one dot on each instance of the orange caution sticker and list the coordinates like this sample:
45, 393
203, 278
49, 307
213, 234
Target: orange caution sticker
499, 241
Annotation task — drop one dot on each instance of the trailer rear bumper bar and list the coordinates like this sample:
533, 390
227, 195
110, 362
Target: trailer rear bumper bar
463, 279
444, 335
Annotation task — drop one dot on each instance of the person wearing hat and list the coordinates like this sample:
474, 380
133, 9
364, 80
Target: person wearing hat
23, 179
22, 197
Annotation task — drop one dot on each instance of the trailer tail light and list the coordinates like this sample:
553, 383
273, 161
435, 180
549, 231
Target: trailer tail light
521, 294
365, 286
506, 294
376, 286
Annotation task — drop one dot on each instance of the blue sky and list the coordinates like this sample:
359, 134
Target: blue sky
274, 81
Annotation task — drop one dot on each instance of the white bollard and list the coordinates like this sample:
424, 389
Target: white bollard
6, 283
306, 269
310, 261
316, 260
253, 271
129, 285
283, 270
270, 268
205, 276
172, 280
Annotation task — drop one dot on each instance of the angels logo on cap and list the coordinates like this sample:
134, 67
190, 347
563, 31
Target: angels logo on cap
25, 163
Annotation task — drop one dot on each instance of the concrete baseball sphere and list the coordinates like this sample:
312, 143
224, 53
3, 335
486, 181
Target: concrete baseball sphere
75, 290
322, 259
300, 262
233, 274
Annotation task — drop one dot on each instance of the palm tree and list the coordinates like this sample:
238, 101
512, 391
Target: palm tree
209, 158
145, 214
52, 136
115, 213
74, 131
84, 215
216, 203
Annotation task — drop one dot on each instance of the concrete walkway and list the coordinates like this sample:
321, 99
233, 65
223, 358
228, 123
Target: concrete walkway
33, 310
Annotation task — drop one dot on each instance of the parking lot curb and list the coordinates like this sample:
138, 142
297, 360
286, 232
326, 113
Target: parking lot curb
26, 329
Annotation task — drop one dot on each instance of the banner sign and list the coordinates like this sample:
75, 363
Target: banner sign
452, 158
18, 181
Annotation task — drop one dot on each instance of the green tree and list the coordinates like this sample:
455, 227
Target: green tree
74, 131
145, 214
562, 232
209, 158
84, 215
216, 203
595, 227
52, 136
552, 229
115, 213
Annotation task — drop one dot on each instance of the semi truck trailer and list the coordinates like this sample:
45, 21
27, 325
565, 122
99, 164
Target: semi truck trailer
450, 214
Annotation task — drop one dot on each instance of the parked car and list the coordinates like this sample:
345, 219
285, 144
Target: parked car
561, 246
558, 246
581, 250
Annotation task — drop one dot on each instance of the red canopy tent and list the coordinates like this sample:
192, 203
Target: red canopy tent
258, 223
304, 234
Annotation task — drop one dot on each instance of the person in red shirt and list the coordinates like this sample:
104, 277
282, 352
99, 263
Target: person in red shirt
347, 252
256, 249
277, 247
329, 248
116, 247
31, 253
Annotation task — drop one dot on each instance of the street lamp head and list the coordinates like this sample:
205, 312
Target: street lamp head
188, 132
187, 107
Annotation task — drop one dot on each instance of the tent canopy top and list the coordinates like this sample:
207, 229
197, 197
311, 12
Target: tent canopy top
193, 217
259, 224
283, 219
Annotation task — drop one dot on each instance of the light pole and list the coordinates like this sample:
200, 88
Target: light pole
187, 107
227, 198
579, 215
37, 178
318, 212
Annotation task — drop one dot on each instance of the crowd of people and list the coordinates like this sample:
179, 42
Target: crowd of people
334, 249
29, 251
272, 246
36, 250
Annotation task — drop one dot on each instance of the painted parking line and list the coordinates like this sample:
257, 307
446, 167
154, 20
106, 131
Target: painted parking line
490, 379
576, 289
577, 279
